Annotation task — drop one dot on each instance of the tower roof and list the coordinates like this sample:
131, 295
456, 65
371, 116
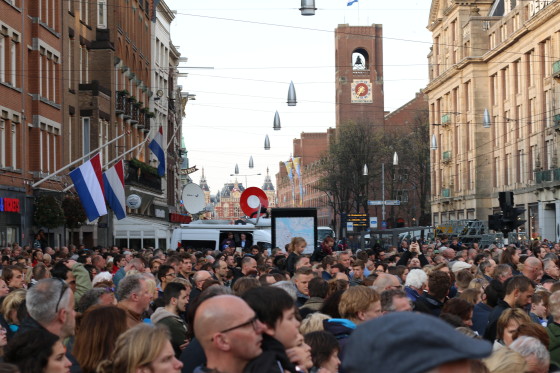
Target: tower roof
268, 182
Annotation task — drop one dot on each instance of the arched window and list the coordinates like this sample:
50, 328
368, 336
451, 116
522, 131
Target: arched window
360, 59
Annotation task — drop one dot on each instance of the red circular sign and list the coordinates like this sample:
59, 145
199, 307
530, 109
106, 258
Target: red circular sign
361, 89
250, 200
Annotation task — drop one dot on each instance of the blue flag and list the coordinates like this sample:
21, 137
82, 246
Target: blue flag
352, 2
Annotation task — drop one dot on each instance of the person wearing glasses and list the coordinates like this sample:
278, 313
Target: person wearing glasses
50, 304
165, 275
229, 339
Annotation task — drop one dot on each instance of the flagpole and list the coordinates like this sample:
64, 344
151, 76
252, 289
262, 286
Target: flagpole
49, 176
113, 160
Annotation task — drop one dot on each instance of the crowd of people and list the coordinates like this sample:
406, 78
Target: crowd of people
441, 307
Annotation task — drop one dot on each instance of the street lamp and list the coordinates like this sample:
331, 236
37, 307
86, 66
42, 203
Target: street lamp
292, 101
236, 172
307, 7
266, 143
276, 123
365, 173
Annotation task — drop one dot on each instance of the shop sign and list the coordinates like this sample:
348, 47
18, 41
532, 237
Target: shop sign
9, 205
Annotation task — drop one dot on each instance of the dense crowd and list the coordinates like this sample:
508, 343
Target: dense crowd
440, 307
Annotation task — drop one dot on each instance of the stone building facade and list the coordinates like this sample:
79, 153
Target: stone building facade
501, 58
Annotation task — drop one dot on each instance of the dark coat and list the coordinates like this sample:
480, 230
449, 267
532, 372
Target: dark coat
428, 304
481, 313
272, 358
490, 332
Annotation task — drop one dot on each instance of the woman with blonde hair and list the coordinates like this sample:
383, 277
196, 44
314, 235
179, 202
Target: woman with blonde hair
295, 248
505, 360
507, 326
10, 307
141, 349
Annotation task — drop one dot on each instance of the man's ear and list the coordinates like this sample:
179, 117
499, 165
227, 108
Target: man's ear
222, 342
62, 315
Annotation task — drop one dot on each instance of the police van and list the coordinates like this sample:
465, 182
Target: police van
209, 234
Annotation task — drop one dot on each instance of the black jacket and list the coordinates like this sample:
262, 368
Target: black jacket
428, 304
490, 332
272, 360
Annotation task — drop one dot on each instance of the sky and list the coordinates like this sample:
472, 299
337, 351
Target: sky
255, 49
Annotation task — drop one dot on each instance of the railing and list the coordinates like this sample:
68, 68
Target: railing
141, 119
147, 122
143, 175
556, 69
135, 113
120, 103
128, 109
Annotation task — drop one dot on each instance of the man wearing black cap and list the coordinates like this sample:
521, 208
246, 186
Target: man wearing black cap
410, 342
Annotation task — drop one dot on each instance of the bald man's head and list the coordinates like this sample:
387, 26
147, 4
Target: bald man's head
533, 268
227, 337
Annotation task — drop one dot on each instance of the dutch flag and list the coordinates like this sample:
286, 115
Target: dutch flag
113, 179
156, 146
88, 183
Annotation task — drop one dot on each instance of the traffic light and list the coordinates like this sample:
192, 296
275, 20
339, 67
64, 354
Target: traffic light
511, 219
495, 222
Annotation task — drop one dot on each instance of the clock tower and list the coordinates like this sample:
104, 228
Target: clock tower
359, 74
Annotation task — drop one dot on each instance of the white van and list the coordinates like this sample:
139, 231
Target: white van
206, 235
323, 232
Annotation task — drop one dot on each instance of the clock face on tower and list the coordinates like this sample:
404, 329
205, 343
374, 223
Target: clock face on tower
361, 91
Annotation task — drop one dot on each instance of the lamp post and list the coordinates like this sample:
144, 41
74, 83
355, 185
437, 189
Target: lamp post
365, 173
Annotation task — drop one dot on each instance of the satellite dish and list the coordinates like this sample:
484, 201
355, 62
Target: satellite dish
134, 201
251, 199
193, 198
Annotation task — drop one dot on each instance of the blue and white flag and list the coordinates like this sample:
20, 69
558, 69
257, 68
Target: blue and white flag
88, 184
113, 179
156, 146
352, 2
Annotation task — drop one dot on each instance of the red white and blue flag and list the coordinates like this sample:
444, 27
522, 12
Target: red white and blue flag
88, 183
156, 146
113, 179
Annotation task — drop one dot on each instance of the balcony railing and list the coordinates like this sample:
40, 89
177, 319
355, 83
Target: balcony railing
556, 69
135, 113
120, 103
143, 175
141, 119
547, 175
147, 122
128, 109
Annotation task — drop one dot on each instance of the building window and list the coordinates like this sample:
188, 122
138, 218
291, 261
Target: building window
69, 140
2, 58
85, 135
2, 143
14, 147
102, 14
13, 53
81, 63
402, 195
70, 66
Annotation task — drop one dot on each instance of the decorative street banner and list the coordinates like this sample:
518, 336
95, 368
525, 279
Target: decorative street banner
361, 91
